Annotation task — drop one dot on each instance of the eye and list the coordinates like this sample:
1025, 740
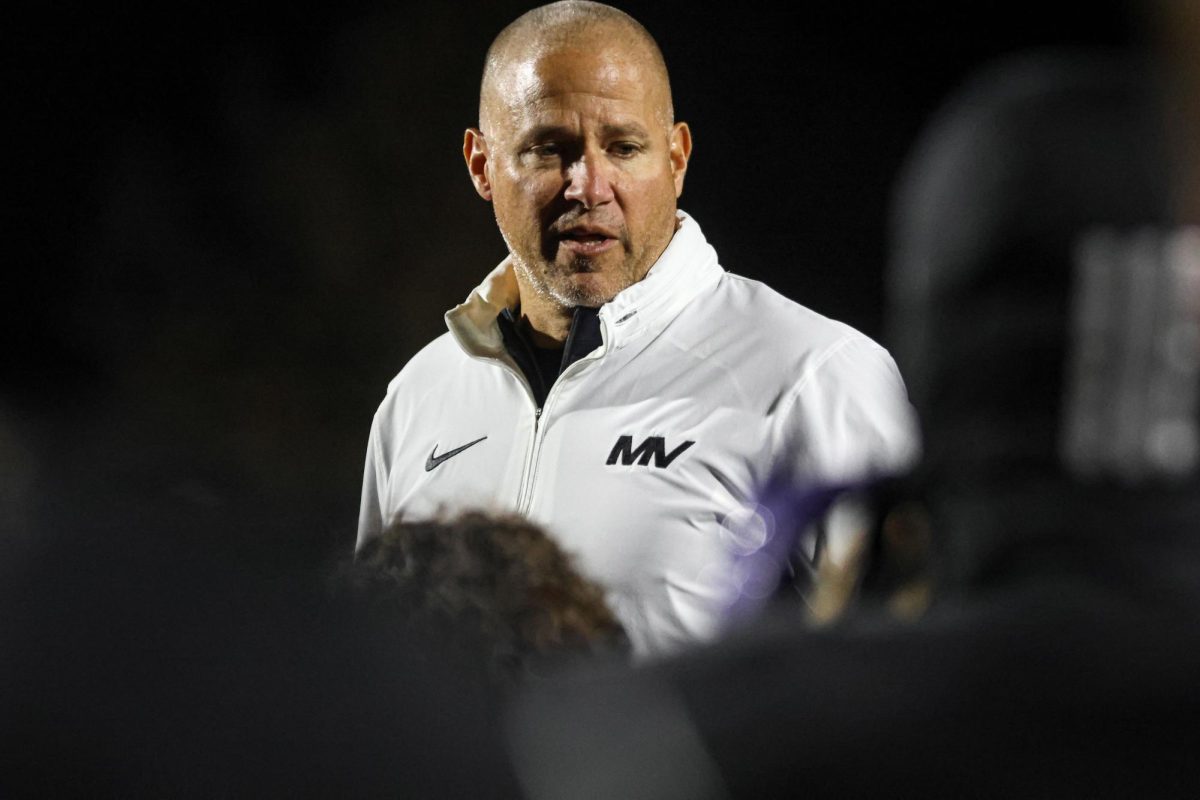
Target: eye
624, 149
546, 150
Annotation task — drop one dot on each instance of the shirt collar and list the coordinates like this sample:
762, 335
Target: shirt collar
686, 268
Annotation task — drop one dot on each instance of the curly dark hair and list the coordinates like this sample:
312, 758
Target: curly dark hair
497, 584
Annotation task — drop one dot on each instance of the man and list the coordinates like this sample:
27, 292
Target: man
609, 379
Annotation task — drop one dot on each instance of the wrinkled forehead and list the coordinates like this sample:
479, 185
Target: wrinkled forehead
611, 76
607, 72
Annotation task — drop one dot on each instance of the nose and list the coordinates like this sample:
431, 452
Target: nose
589, 181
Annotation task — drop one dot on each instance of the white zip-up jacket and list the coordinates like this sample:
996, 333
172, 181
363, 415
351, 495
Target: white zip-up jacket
650, 446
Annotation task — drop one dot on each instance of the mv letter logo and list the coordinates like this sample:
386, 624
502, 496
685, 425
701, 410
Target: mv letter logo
654, 447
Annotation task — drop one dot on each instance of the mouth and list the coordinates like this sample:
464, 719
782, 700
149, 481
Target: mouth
587, 240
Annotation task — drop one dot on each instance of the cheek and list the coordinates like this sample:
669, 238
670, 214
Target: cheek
542, 190
511, 207
520, 201
650, 203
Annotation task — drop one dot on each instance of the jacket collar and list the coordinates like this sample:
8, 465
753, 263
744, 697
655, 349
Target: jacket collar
685, 269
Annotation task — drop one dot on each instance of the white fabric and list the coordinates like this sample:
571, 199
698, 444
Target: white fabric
690, 353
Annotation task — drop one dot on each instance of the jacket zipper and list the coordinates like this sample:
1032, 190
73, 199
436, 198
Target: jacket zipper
525, 497
537, 413
525, 494
530, 459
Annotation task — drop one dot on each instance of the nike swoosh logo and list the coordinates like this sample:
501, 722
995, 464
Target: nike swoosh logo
434, 459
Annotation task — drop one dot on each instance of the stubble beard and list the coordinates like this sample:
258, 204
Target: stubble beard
556, 284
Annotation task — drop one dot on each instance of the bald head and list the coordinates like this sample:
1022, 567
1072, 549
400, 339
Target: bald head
578, 152
565, 26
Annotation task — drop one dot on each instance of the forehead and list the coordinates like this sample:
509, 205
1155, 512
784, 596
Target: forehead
606, 79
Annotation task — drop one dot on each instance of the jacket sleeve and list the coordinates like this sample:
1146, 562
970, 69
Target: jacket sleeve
370, 512
850, 418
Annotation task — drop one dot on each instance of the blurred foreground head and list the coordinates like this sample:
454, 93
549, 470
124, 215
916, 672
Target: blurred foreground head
498, 584
1045, 297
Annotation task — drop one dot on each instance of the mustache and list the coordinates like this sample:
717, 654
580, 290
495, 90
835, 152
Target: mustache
582, 222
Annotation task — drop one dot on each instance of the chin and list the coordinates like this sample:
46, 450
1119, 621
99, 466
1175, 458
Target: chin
590, 289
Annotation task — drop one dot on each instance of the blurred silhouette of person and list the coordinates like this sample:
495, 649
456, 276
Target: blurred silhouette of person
609, 378
498, 586
1045, 292
143, 662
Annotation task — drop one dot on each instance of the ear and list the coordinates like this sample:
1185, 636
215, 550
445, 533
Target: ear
681, 151
475, 152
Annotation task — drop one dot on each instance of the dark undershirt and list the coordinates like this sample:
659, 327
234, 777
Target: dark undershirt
543, 365
549, 362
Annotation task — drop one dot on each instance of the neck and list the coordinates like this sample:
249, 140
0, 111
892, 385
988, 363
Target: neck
548, 322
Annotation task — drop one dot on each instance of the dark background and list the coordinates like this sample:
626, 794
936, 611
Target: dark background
234, 223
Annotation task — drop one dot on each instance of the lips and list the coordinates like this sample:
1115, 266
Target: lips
587, 233
587, 239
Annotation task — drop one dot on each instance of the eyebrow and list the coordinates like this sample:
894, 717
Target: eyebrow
607, 131
628, 129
